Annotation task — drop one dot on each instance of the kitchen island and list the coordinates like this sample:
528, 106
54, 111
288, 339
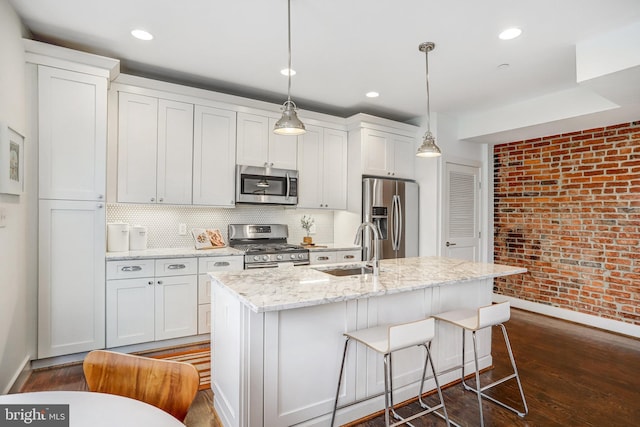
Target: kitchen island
277, 336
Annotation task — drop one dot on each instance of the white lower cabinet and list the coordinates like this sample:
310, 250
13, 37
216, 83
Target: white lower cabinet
71, 277
145, 304
222, 263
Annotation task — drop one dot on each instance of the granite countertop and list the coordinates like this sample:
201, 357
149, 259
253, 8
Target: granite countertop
274, 289
172, 253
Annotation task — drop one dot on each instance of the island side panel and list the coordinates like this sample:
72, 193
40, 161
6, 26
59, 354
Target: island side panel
236, 359
303, 352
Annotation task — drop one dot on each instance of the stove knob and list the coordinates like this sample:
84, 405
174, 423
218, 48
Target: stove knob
256, 258
279, 257
293, 256
300, 256
265, 257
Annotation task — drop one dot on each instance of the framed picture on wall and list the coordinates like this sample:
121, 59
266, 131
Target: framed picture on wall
11, 161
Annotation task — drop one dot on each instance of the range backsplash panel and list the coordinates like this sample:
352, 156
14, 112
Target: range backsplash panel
163, 221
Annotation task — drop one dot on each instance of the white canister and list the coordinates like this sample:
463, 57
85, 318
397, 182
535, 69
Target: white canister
117, 237
138, 238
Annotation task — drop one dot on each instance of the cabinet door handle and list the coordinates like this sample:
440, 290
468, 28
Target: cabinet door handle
150, 282
221, 264
153, 199
450, 244
159, 282
348, 257
323, 258
131, 268
176, 267
161, 199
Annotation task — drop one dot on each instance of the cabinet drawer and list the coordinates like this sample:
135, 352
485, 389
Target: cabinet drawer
348, 256
322, 258
130, 269
176, 267
220, 263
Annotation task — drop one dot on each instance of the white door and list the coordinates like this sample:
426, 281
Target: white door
71, 277
283, 149
72, 128
176, 306
214, 157
377, 153
404, 157
334, 166
461, 235
310, 161
137, 148
253, 140
175, 152
130, 311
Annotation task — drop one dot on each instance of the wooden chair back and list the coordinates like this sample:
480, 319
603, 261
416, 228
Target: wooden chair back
166, 384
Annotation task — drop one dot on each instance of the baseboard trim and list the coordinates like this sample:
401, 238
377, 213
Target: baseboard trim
573, 316
20, 377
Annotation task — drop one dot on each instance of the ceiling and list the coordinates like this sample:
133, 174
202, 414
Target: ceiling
342, 49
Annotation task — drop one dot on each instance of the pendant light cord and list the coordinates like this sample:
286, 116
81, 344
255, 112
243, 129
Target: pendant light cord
289, 37
426, 55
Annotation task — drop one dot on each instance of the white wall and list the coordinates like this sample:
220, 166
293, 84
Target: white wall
17, 254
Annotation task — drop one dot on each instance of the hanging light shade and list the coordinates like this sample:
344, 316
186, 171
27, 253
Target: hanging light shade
429, 148
289, 123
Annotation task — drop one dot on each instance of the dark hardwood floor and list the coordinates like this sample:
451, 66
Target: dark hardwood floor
572, 376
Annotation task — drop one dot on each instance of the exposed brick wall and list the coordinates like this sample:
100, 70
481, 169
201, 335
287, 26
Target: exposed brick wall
567, 207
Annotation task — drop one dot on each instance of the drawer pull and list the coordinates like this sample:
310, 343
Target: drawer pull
221, 264
159, 282
348, 257
323, 258
176, 267
131, 268
150, 282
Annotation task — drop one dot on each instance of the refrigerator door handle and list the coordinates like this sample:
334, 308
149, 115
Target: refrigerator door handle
394, 228
399, 221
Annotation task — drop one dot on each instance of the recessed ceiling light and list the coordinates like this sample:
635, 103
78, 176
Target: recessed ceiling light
510, 33
372, 94
286, 71
141, 34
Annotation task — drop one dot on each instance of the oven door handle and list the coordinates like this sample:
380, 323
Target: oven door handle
286, 196
261, 265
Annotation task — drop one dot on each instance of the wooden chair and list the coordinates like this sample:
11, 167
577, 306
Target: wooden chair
166, 384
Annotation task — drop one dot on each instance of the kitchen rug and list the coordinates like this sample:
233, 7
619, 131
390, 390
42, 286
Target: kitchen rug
200, 358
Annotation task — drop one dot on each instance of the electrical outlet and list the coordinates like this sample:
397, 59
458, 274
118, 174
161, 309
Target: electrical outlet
182, 229
3, 217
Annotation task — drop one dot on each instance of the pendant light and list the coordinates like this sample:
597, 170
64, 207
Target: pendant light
428, 147
289, 123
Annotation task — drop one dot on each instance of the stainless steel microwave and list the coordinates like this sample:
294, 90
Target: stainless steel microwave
266, 185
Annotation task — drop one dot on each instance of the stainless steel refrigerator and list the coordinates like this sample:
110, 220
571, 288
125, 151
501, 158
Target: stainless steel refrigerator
392, 206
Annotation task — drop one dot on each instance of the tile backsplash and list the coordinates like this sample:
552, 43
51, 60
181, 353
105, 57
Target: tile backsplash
163, 220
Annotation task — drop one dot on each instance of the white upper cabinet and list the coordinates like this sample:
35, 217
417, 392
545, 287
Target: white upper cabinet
388, 154
137, 148
259, 146
72, 126
322, 159
155, 150
175, 152
214, 157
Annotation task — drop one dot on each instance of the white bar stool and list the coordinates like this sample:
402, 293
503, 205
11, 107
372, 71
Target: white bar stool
474, 320
386, 339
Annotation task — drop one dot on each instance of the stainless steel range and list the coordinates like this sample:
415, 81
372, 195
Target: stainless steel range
265, 245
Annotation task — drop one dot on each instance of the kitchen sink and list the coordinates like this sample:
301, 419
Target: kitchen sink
345, 271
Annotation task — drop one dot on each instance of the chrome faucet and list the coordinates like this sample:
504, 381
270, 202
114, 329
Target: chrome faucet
376, 238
